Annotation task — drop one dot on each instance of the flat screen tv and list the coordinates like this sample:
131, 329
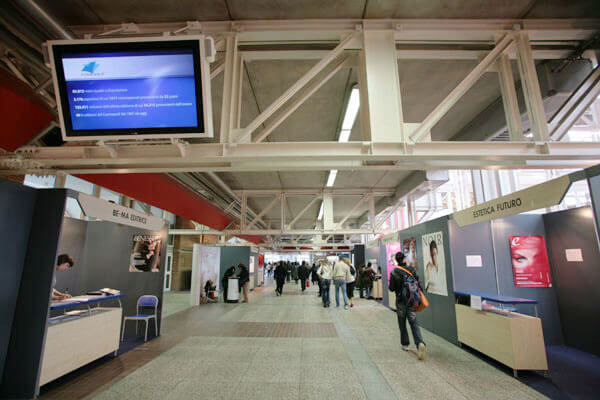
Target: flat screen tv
117, 89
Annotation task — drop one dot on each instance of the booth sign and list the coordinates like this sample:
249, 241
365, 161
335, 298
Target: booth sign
104, 210
539, 196
391, 238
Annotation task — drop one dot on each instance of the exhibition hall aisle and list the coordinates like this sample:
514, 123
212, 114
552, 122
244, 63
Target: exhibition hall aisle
290, 347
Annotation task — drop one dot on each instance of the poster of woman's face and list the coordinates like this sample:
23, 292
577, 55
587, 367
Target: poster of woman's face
390, 252
435, 263
530, 261
145, 253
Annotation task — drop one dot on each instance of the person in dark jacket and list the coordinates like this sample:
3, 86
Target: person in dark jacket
398, 280
244, 280
367, 277
230, 273
303, 273
280, 276
315, 278
288, 267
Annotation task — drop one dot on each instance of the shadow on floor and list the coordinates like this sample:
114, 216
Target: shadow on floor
572, 374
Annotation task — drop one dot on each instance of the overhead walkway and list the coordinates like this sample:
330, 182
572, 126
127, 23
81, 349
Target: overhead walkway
290, 347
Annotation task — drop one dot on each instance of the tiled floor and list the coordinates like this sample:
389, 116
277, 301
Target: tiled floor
290, 347
173, 302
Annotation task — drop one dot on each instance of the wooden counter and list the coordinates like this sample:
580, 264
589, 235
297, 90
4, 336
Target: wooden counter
514, 339
73, 343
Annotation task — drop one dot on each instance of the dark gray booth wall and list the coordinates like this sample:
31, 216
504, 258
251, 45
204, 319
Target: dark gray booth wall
576, 283
28, 331
102, 253
231, 256
359, 255
490, 240
440, 316
16, 211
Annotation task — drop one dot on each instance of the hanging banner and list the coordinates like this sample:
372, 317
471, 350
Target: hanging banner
529, 260
539, 196
372, 243
106, 211
391, 238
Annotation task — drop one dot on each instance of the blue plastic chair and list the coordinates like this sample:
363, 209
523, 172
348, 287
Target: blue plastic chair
144, 301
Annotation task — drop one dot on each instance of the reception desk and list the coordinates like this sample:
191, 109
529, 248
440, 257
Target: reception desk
80, 336
514, 339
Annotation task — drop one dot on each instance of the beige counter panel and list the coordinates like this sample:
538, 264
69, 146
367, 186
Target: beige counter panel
72, 344
515, 340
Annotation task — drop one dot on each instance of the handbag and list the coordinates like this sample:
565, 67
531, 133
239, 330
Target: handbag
424, 302
307, 283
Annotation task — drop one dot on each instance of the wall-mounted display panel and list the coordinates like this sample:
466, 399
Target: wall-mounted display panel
118, 88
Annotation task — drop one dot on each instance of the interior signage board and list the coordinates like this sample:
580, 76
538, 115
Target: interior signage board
539, 196
104, 210
372, 243
391, 238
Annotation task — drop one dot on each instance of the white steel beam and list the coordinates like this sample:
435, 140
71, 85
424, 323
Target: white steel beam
575, 106
455, 95
263, 212
328, 212
275, 232
220, 67
310, 156
305, 209
332, 70
509, 99
299, 84
231, 91
317, 192
283, 204
415, 30
349, 213
531, 88
386, 123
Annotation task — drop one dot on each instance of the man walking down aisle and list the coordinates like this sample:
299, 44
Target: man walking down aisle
341, 275
324, 273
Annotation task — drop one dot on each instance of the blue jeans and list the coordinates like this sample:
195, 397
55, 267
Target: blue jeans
340, 284
325, 284
405, 313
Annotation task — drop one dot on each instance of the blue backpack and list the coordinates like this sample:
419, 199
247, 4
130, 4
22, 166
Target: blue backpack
411, 293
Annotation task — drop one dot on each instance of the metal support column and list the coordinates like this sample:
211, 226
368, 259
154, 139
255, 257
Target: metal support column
531, 89
386, 122
509, 99
229, 108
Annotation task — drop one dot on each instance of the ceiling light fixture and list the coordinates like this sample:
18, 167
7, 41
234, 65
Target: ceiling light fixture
351, 110
331, 179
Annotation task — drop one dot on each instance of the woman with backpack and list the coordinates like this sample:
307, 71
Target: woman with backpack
404, 281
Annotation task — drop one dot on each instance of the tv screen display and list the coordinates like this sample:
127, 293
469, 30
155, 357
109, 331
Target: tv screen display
141, 88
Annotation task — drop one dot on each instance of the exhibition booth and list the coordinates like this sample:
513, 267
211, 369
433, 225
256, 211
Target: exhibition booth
211, 262
68, 283
506, 282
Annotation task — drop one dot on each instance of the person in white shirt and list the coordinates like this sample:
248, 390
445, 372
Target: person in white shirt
341, 275
324, 273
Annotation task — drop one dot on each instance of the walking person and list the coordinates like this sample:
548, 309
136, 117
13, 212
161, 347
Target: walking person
350, 282
280, 275
295, 272
367, 275
341, 275
403, 281
244, 281
288, 267
325, 275
315, 278
303, 273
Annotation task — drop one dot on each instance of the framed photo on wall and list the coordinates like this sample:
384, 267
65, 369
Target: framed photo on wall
145, 253
435, 263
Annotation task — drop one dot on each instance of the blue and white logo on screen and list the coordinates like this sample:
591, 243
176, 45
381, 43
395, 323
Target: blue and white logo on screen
90, 67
